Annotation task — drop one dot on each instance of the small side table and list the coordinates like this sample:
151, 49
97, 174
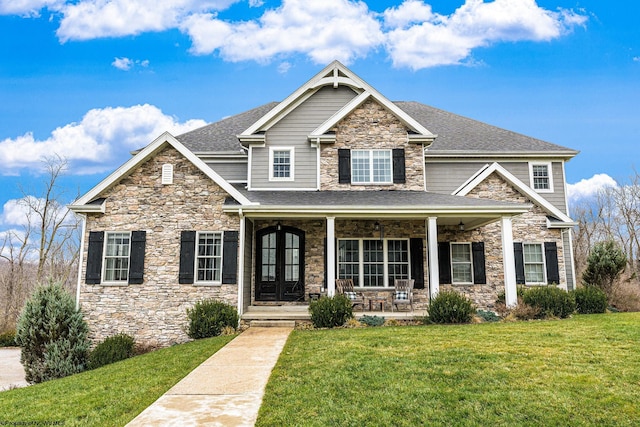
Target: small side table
375, 301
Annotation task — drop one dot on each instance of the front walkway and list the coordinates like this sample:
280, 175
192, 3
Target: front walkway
226, 389
11, 370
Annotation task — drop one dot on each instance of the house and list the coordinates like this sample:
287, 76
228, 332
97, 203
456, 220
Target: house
336, 181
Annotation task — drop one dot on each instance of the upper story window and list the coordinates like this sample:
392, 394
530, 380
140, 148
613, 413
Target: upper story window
540, 175
116, 257
371, 167
281, 163
209, 257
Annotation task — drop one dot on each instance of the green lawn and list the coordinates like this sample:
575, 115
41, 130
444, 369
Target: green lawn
110, 396
579, 371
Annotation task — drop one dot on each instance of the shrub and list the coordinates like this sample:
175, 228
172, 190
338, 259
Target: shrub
52, 334
209, 317
450, 307
590, 299
112, 349
8, 339
605, 263
488, 316
372, 320
551, 301
521, 311
329, 312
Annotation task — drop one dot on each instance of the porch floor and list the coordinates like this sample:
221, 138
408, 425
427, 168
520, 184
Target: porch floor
301, 312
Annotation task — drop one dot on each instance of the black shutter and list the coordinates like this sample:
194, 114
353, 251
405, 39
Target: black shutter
94, 257
136, 257
444, 262
479, 275
417, 262
187, 256
344, 166
519, 257
230, 257
398, 166
551, 258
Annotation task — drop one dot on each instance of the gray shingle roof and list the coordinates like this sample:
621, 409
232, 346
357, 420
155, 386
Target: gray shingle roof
222, 136
455, 133
371, 199
458, 133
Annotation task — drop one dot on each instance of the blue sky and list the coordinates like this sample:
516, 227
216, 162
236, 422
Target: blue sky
92, 80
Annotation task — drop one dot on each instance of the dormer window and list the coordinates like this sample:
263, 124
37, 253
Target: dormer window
281, 163
540, 175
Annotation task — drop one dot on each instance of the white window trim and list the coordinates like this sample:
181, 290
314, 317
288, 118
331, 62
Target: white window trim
291, 151
104, 260
195, 267
470, 261
544, 264
549, 171
370, 151
385, 249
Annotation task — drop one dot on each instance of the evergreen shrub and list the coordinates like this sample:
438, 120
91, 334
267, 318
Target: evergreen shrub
209, 317
8, 339
330, 312
112, 349
590, 300
450, 307
551, 301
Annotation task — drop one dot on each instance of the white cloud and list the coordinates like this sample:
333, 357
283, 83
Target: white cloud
446, 40
284, 67
89, 19
14, 212
28, 7
326, 30
413, 35
125, 64
98, 142
588, 188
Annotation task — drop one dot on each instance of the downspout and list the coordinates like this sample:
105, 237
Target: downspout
80, 259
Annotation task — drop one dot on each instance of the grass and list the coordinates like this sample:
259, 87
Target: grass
580, 371
109, 396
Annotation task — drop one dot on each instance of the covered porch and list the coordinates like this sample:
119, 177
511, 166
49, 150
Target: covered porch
294, 245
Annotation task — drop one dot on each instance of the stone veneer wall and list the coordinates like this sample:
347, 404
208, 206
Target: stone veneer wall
154, 312
528, 227
371, 126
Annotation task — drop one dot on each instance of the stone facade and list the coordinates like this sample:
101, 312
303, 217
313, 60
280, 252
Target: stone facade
154, 312
371, 126
530, 227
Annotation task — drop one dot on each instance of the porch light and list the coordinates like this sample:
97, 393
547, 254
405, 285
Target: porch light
278, 226
461, 226
378, 227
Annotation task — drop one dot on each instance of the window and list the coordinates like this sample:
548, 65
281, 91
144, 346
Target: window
534, 268
373, 263
116, 257
461, 263
281, 161
371, 167
541, 177
209, 257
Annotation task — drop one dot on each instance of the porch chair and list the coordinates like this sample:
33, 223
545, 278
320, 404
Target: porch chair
345, 287
403, 293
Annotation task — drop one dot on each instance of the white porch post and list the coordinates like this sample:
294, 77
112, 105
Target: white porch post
331, 256
432, 242
241, 253
510, 288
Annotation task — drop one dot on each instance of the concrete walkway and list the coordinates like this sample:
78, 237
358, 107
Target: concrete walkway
11, 370
226, 389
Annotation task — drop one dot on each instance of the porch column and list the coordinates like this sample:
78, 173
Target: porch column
331, 256
510, 288
432, 242
241, 252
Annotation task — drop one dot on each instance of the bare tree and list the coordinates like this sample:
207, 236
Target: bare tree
44, 249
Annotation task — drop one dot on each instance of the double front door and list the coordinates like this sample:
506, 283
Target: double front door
279, 264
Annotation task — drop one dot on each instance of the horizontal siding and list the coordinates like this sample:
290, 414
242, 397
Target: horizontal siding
292, 131
446, 177
568, 260
230, 171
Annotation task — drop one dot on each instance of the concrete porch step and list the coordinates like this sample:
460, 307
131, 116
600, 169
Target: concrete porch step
281, 312
272, 324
